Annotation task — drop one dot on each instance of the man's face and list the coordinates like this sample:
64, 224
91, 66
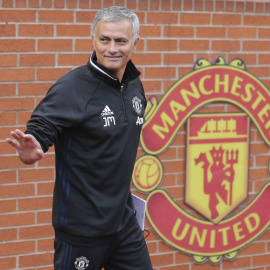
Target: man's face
114, 45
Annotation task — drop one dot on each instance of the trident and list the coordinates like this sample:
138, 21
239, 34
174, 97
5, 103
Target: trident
232, 160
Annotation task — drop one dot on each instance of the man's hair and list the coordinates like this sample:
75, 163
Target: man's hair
114, 14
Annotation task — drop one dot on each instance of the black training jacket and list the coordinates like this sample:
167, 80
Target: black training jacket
94, 121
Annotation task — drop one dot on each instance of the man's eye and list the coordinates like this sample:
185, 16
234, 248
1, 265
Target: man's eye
122, 41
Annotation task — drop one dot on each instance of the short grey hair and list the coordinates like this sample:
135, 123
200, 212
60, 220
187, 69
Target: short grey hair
116, 13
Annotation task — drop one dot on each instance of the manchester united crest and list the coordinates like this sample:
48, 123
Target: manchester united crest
217, 162
210, 223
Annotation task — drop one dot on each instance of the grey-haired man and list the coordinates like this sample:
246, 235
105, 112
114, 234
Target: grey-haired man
91, 116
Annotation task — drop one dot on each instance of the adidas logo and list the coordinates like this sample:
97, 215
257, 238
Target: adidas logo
107, 111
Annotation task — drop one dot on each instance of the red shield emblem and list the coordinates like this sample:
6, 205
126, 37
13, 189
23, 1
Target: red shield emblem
217, 163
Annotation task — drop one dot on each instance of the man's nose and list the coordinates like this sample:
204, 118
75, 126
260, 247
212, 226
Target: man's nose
112, 47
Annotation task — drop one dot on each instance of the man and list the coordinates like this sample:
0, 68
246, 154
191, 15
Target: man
91, 116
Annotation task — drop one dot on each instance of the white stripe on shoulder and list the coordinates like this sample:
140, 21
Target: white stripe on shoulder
95, 66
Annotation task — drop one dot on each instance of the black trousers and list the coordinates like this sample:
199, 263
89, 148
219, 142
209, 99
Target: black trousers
125, 251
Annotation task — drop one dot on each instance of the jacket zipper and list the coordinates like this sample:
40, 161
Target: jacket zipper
123, 104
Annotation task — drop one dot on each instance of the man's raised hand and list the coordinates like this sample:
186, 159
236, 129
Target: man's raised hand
27, 146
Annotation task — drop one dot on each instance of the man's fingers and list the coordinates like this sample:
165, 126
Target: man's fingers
12, 142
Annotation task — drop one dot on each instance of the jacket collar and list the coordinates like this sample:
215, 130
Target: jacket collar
131, 71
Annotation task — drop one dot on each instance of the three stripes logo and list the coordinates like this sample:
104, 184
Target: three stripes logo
108, 117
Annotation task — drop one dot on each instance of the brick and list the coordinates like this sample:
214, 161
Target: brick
17, 219
33, 4
74, 59
160, 72
8, 60
191, 45
7, 162
249, 59
55, 45
23, 117
7, 89
73, 30
226, 19
162, 45
154, 5
225, 45
35, 203
45, 244
17, 45
56, 16
259, 45
178, 31
198, 5
211, 32
20, 3
84, 45
262, 20
262, 161
10, 15
17, 248
152, 86
85, 16
46, 3
13, 191
150, 31
49, 74
7, 118
36, 175
164, 259
242, 32
59, 4
8, 234
7, 177
19, 74
8, 263
17, 104
45, 188
7, 206
33, 232
178, 58
32, 30
264, 33
36, 88
195, 18
7, 30
256, 174
37, 60
147, 59
44, 217
36, 260
162, 17
264, 59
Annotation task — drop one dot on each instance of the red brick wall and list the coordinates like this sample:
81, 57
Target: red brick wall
40, 40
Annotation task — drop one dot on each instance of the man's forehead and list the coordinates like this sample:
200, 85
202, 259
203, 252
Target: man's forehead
116, 29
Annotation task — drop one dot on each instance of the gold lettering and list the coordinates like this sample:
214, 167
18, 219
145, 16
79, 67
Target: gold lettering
201, 85
224, 232
236, 85
263, 112
185, 93
258, 100
166, 120
252, 226
212, 239
176, 228
237, 231
176, 108
248, 89
196, 235
225, 83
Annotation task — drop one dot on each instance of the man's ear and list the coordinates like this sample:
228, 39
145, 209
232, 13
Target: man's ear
93, 40
136, 42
